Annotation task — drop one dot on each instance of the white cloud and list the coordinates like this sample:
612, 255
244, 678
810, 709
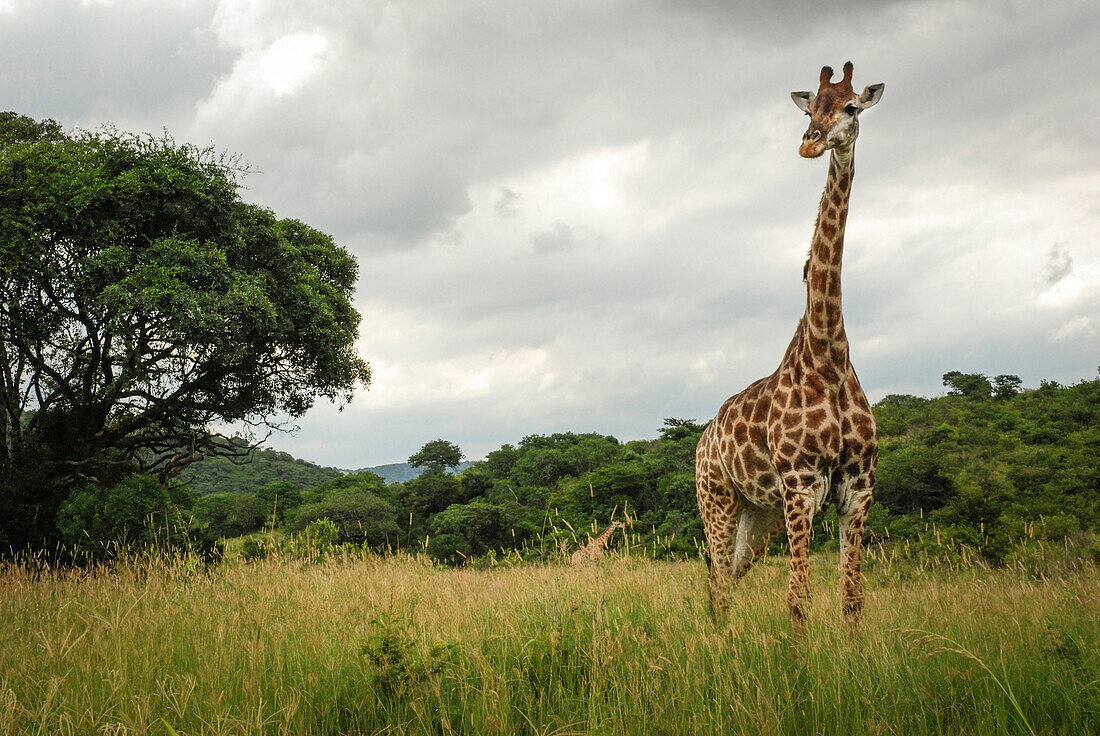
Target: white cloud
291, 60
460, 378
276, 69
1078, 328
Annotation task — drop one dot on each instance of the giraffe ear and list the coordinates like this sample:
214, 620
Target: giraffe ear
803, 100
871, 95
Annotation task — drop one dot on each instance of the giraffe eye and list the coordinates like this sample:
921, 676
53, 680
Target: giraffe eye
851, 110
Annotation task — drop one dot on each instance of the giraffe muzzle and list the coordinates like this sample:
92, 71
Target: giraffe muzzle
813, 144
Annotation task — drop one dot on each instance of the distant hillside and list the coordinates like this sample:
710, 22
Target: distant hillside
401, 472
219, 475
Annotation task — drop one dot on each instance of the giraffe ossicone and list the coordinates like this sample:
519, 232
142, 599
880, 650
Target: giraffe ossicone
778, 452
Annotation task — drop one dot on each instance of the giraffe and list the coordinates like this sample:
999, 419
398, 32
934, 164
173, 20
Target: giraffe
777, 452
595, 548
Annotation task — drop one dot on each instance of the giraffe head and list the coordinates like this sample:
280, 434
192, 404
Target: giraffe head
617, 524
834, 112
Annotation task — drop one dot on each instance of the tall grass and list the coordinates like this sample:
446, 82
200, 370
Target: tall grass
371, 645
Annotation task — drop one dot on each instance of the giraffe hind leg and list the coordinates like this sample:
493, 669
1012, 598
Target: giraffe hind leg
798, 512
720, 508
755, 531
853, 520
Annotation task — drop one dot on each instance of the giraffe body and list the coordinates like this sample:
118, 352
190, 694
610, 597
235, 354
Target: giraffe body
596, 548
778, 452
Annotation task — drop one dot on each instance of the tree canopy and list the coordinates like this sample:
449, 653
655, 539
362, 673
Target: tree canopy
437, 456
142, 303
971, 385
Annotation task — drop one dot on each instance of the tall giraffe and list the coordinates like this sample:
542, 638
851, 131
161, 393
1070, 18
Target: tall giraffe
777, 452
596, 548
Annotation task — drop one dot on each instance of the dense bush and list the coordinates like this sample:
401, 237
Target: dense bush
279, 499
138, 511
228, 514
985, 464
468, 530
360, 518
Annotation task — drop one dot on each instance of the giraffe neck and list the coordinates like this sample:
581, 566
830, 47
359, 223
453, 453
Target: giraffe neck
826, 345
603, 539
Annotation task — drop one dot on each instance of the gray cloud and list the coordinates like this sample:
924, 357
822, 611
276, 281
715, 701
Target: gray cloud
90, 63
1059, 265
561, 237
505, 204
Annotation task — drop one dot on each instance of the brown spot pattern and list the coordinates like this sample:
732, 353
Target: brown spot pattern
777, 451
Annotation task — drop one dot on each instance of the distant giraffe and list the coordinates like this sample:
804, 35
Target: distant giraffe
777, 452
597, 547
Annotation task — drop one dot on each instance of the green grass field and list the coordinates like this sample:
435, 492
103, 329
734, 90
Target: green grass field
397, 646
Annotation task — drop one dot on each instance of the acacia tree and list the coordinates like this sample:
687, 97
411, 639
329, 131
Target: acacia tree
970, 385
437, 456
144, 302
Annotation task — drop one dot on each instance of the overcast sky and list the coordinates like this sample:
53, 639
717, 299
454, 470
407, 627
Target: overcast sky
588, 216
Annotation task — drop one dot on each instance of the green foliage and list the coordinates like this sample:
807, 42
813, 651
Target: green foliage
359, 517
679, 429
1006, 386
1007, 478
228, 514
432, 492
911, 479
363, 482
137, 512
141, 301
970, 385
18, 129
472, 529
396, 663
278, 499
985, 473
437, 455
228, 475
319, 534
401, 472
253, 548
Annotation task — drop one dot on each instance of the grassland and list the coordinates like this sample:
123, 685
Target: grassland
397, 646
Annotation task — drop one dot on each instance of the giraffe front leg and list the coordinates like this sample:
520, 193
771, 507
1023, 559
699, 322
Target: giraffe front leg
853, 520
798, 513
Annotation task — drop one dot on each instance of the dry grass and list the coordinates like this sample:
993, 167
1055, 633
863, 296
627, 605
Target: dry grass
397, 646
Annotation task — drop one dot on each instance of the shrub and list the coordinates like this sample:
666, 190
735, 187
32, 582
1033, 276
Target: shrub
138, 511
279, 499
358, 517
477, 527
228, 514
319, 535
